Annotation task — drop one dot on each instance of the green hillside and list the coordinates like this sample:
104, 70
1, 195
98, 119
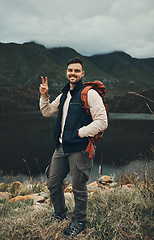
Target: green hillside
22, 65
132, 74
92, 71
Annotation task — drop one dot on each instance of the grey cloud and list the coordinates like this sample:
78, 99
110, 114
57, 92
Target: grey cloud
89, 26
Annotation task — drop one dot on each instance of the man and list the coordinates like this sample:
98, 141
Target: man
73, 127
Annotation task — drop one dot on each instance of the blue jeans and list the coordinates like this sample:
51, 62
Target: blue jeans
79, 166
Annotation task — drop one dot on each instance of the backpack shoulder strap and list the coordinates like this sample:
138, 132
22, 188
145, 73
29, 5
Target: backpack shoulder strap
84, 98
99, 88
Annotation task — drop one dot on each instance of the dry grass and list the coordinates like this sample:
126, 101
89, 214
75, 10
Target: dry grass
118, 214
122, 214
115, 214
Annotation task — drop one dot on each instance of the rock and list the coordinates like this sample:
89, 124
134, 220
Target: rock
4, 196
68, 189
36, 197
102, 186
112, 185
105, 179
68, 197
92, 187
93, 184
45, 195
102, 183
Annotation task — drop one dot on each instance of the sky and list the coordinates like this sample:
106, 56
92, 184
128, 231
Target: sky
88, 26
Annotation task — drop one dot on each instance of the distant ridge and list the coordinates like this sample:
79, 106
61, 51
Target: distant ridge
22, 65
122, 65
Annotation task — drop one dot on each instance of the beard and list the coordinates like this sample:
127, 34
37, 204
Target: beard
74, 81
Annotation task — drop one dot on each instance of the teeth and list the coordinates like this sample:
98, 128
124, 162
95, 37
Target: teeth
72, 76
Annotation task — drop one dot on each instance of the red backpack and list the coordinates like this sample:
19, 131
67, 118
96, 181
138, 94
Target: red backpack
100, 88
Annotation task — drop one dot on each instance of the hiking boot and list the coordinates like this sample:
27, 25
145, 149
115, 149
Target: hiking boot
74, 228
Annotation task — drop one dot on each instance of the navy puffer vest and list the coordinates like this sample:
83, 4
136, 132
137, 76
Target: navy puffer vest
76, 118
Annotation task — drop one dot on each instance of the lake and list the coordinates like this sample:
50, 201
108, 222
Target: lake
29, 136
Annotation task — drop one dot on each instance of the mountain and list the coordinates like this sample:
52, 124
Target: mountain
22, 65
132, 73
92, 71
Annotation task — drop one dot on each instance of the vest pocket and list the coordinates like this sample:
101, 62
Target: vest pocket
76, 108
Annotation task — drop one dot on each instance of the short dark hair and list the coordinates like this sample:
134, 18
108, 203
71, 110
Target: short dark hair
75, 60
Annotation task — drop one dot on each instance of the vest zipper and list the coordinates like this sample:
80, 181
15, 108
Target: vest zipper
79, 104
75, 103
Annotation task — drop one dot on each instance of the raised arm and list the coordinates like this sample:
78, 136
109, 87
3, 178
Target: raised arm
47, 109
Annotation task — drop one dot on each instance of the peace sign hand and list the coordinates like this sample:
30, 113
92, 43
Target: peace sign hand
44, 87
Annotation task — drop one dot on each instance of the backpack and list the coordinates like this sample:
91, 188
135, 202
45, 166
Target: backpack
100, 88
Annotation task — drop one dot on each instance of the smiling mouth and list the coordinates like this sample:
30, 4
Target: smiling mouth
72, 76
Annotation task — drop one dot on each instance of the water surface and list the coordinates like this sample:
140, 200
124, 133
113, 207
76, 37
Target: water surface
29, 136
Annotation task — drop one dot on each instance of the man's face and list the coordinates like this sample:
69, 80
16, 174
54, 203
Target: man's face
74, 73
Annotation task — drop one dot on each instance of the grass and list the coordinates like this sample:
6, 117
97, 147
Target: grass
28, 187
121, 214
117, 214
